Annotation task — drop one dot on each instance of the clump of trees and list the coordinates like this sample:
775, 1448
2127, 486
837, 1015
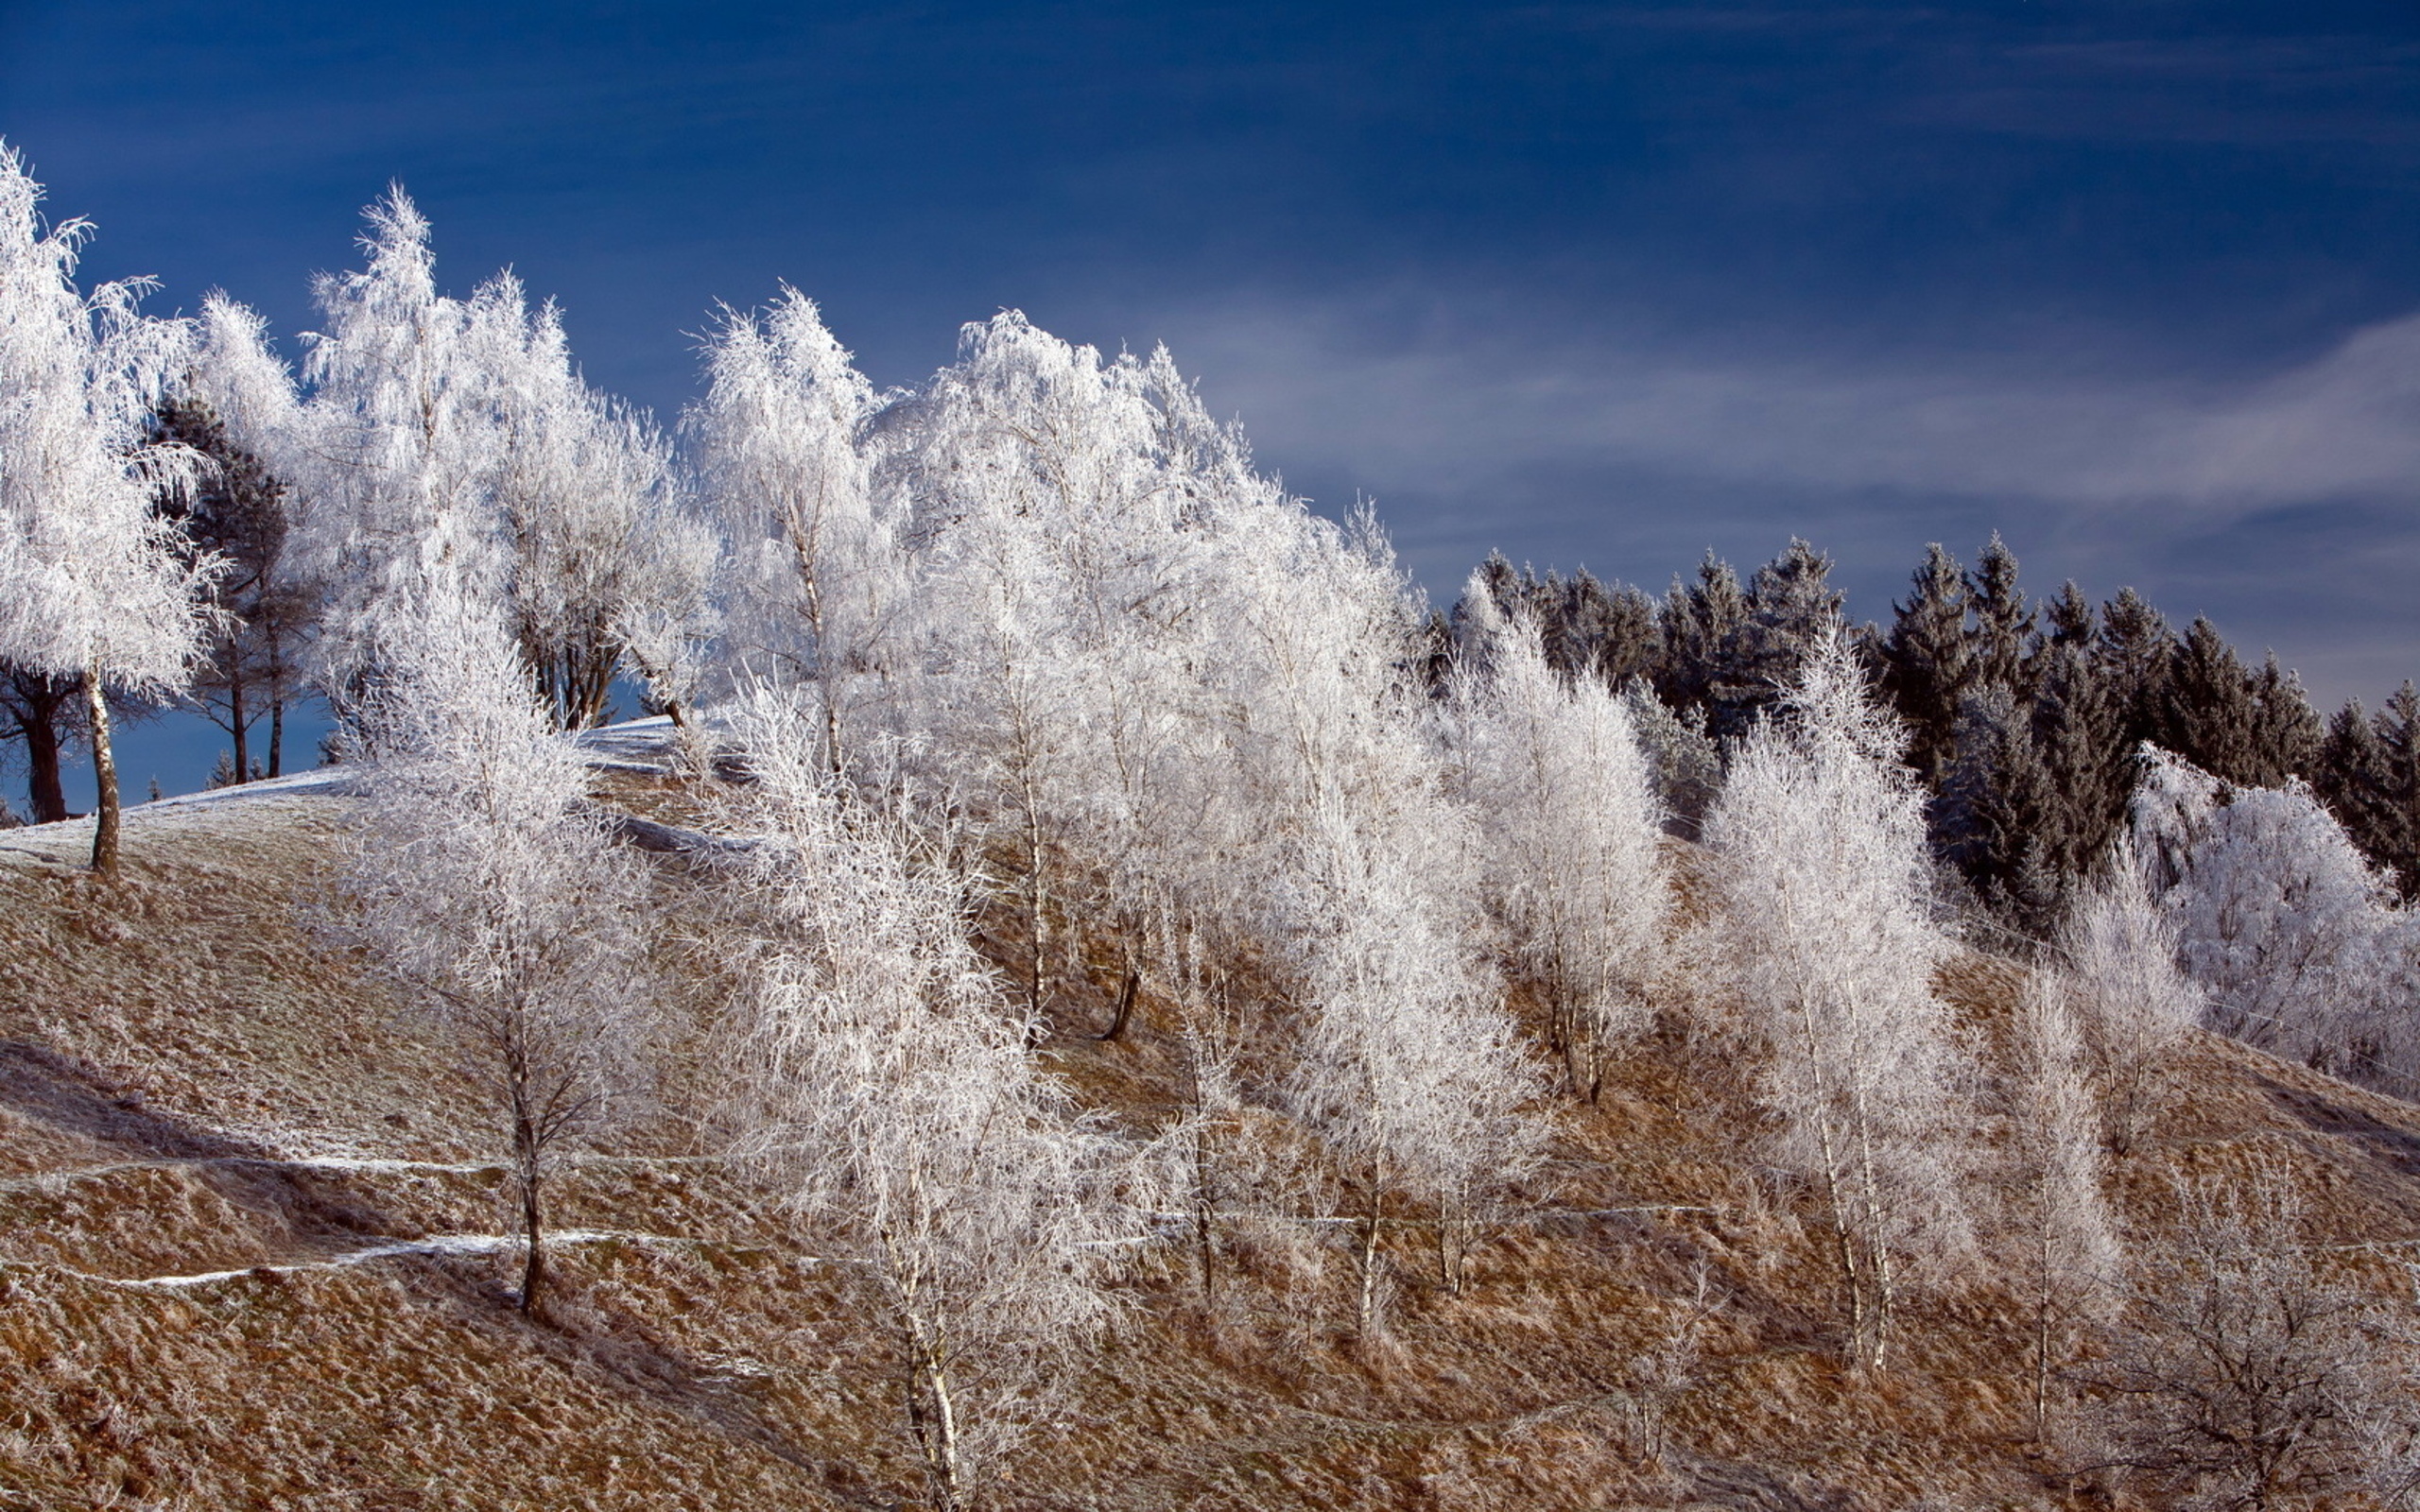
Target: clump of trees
891, 1101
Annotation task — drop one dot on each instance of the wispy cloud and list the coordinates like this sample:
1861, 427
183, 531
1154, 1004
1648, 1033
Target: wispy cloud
1459, 405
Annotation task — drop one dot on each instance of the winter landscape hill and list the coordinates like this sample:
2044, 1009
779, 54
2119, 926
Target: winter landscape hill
258, 1252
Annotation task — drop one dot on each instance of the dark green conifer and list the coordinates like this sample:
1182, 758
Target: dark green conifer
1927, 662
2003, 620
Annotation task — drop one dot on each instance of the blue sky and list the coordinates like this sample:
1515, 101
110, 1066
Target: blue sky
2135, 285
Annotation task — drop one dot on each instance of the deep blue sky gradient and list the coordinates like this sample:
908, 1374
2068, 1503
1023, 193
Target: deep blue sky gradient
2132, 284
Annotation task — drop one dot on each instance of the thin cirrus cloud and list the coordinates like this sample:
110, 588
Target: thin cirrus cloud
1449, 411
2282, 499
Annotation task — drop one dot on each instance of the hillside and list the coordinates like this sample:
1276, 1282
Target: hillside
252, 1259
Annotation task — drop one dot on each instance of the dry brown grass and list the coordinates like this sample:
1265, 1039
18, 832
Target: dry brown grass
174, 1052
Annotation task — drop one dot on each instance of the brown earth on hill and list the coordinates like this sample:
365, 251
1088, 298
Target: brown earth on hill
252, 1256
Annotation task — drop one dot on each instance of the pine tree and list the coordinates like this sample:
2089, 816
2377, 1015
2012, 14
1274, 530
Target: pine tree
1792, 609
2285, 733
1996, 809
2080, 733
2066, 620
1928, 663
1700, 624
2351, 776
2397, 806
2206, 711
2003, 623
2131, 654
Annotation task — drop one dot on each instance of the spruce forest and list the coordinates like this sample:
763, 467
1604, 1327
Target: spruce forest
1081, 990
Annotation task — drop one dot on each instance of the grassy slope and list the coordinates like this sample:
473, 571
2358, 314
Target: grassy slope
182, 1067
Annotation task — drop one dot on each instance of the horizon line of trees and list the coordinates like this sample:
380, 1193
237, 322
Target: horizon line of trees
2024, 715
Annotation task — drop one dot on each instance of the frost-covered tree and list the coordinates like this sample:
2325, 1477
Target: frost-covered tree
494, 894
2065, 1236
2131, 1003
816, 584
892, 1103
2293, 934
1409, 1069
1824, 913
449, 441
1571, 828
95, 586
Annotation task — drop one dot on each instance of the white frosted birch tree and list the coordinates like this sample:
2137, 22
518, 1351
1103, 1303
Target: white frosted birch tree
892, 1103
1570, 830
816, 585
1824, 892
2131, 1005
92, 587
438, 440
492, 893
2067, 1238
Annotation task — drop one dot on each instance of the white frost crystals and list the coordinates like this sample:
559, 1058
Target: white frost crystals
1826, 922
489, 892
892, 1102
2295, 938
92, 584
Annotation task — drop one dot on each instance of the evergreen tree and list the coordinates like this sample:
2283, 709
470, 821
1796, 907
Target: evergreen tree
2206, 709
2352, 777
2131, 655
1699, 625
2397, 802
1998, 810
2079, 731
2066, 620
1928, 663
2285, 732
2003, 623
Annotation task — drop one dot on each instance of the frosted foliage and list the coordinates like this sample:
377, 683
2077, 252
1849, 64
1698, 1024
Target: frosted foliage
2058, 1138
89, 580
1409, 1068
895, 1105
1072, 510
2124, 989
1824, 916
485, 882
491, 891
1570, 823
1048, 591
816, 573
2294, 937
451, 441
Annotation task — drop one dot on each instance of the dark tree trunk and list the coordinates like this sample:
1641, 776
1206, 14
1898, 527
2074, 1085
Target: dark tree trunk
235, 729
1125, 1005
276, 733
534, 1265
37, 703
